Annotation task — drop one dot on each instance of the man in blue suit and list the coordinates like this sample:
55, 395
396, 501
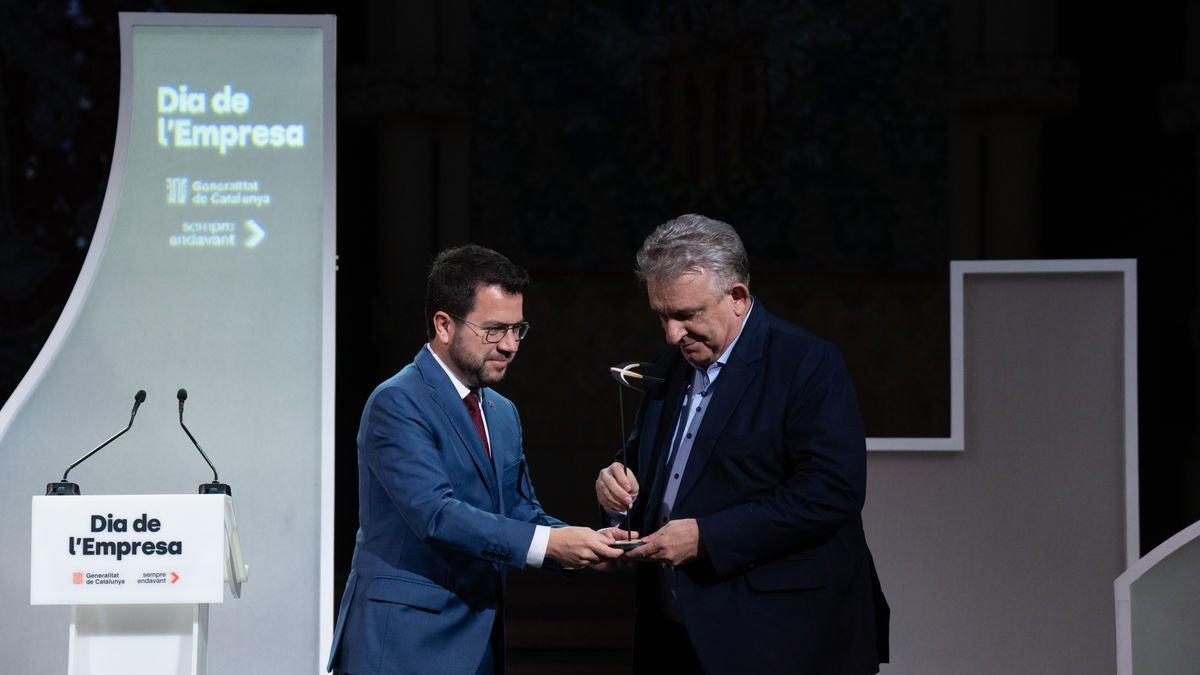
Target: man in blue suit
748, 469
446, 504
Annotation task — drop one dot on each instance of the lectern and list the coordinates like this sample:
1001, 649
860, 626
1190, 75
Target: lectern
139, 572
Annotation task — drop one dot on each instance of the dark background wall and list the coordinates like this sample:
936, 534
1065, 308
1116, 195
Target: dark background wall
857, 145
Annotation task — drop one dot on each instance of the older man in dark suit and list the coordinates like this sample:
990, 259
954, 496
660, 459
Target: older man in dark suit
748, 471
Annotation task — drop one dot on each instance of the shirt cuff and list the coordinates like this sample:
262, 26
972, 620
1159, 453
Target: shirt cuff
614, 518
537, 547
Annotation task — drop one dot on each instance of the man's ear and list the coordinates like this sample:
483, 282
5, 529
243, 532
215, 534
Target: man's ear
441, 327
740, 294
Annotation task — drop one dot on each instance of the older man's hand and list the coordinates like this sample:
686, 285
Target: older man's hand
675, 543
616, 488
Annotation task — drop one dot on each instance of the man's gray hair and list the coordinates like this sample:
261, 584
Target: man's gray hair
694, 243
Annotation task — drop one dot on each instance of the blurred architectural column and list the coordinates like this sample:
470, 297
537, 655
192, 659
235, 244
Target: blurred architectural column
411, 96
1006, 82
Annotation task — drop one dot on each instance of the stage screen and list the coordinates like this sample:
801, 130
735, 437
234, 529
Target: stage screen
211, 270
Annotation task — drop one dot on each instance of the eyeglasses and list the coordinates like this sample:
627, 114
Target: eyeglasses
494, 334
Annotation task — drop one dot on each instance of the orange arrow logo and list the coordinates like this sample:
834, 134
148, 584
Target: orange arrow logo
174, 577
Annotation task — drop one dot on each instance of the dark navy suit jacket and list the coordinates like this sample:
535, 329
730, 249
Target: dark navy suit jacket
776, 482
438, 527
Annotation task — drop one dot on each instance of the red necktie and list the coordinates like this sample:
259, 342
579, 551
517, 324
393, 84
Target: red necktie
472, 402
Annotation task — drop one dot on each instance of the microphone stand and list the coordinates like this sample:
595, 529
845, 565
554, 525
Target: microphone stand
215, 487
65, 487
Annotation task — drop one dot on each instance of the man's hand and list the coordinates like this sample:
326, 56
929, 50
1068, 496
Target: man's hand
621, 563
616, 534
676, 543
575, 547
616, 487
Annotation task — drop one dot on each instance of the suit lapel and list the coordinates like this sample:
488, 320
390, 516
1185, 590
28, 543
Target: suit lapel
444, 394
671, 406
727, 393
740, 369
499, 431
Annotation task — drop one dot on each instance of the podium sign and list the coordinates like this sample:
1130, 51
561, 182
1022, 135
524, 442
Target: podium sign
128, 549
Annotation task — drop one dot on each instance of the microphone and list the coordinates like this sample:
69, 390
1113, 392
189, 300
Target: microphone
215, 487
65, 487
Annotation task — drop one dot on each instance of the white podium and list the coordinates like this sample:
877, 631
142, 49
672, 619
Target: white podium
140, 572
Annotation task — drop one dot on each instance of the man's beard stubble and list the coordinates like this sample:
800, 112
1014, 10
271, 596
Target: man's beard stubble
474, 368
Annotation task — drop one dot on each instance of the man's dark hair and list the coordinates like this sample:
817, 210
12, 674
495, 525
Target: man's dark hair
457, 273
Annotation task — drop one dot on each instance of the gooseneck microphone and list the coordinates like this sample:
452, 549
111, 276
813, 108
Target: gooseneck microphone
64, 487
215, 487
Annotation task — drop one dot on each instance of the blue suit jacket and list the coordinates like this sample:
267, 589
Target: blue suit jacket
776, 482
438, 527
